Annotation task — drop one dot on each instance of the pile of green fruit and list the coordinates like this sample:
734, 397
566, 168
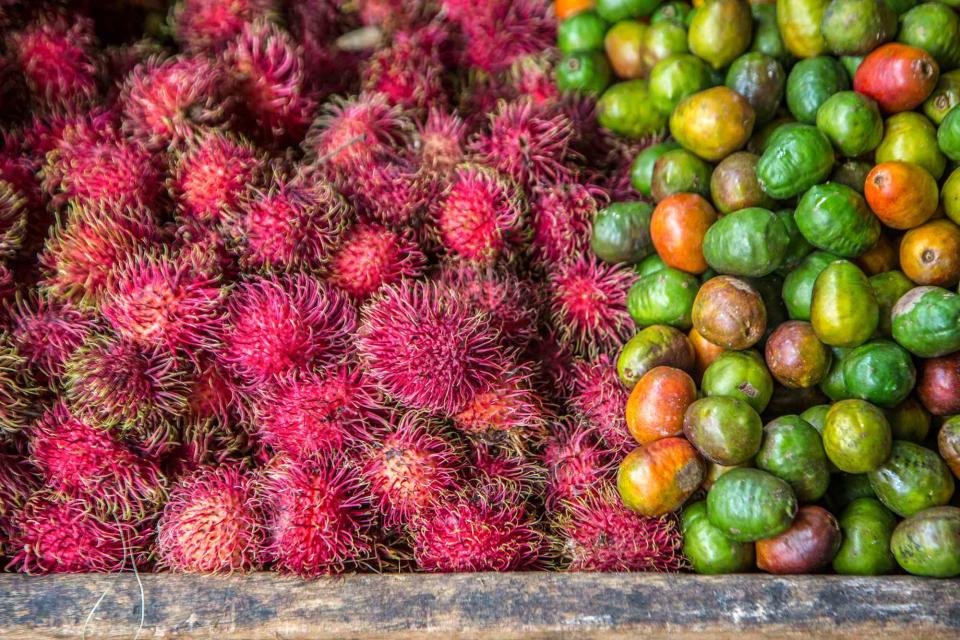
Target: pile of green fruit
798, 356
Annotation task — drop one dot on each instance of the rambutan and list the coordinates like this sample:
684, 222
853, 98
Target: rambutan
155, 298
46, 333
371, 257
390, 14
480, 528
266, 68
207, 26
165, 103
480, 216
207, 442
588, 303
213, 394
532, 77
562, 216
13, 220
16, 388
60, 535
506, 466
498, 32
508, 411
315, 412
599, 398
553, 360
441, 140
211, 523
576, 462
17, 483
394, 194
598, 533
294, 224
408, 72
527, 142
211, 176
278, 325
79, 459
206, 248
317, 516
409, 466
423, 346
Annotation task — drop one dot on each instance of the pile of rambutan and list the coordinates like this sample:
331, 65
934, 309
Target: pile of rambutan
305, 285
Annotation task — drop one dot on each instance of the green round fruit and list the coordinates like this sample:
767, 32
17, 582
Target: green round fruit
835, 218
750, 242
792, 450
724, 430
889, 287
797, 248
912, 479
851, 64
844, 310
581, 32
950, 196
734, 185
856, 436
720, 30
944, 98
739, 374
766, 34
761, 80
675, 12
909, 137
834, 385
880, 372
676, 77
926, 321
852, 173
935, 28
928, 543
798, 285
853, 123
626, 109
948, 135
857, 27
652, 347
679, 171
664, 297
710, 551
811, 82
650, 264
815, 416
661, 41
750, 504
796, 158
587, 73
867, 527
621, 232
641, 173
617, 10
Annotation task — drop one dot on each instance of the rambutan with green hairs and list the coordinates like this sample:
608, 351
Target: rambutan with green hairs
318, 516
441, 140
562, 217
13, 220
208, 442
576, 462
506, 465
599, 398
156, 298
424, 347
212, 523
408, 72
17, 390
597, 533
480, 215
409, 465
17, 483
279, 325
47, 332
208, 26
588, 303
370, 257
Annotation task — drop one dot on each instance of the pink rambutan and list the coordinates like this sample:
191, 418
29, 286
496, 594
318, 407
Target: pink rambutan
206, 248
423, 346
46, 333
498, 32
529, 143
16, 388
211, 176
441, 140
207, 26
508, 411
562, 215
294, 224
409, 466
266, 67
599, 398
17, 483
532, 77
317, 516
59, 535
278, 325
165, 103
13, 220
394, 194
588, 303
480, 216
155, 298
213, 394
316, 412
480, 528
598, 533
212, 523
390, 14
507, 466
371, 257
408, 72
576, 462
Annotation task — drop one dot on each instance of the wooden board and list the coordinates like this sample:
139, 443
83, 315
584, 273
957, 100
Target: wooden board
530, 605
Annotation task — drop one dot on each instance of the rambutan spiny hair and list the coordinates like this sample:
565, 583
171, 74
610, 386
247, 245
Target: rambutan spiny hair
47, 332
441, 140
13, 220
562, 217
599, 399
576, 461
208, 26
424, 347
498, 32
370, 257
408, 71
508, 411
212, 523
17, 390
17, 483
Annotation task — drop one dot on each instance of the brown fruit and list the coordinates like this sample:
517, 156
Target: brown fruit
806, 547
730, 313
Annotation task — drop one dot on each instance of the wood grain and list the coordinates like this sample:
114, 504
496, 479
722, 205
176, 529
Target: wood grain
531, 605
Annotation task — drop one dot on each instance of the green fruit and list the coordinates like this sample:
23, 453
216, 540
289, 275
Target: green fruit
617, 10
852, 63
710, 551
948, 135
739, 374
587, 73
650, 264
880, 372
679, 171
798, 248
944, 98
641, 173
912, 479
857, 27
888, 288
950, 196
797, 157
834, 385
724, 430
852, 173
928, 543
621, 232
675, 12
815, 416
798, 285
661, 41
910, 137
581, 32
713, 123
811, 82
676, 77
835, 218
856, 436
844, 310
734, 185
799, 22
900, 7
652, 347
865, 551
761, 80
852, 122
847, 487
766, 34
935, 28
749, 242
720, 31
926, 322
626, 109
664, 297
909, 421
792, 450
750, 504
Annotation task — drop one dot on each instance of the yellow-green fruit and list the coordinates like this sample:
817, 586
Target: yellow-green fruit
799, 22
844, 311
856, 436
720, 31
713, 123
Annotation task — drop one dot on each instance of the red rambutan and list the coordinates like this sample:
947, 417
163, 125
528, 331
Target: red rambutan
16, 388
211, 523
205, 247
600, 398
498, 32
509, 411
46, 333
423, 346
588, 302
598, 533
441, 140
390, 14
213, 394
480, 528
279, 325
576, 462
532, 77
17, 483
408, 466
408, 72
562, 215
317, 516
480, 216
394, 194
507, 466
207, 26
371, 257
13, 220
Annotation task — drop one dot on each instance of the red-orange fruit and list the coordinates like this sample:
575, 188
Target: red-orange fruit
658, 402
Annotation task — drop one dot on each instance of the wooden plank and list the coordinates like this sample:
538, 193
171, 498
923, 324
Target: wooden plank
530, 605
